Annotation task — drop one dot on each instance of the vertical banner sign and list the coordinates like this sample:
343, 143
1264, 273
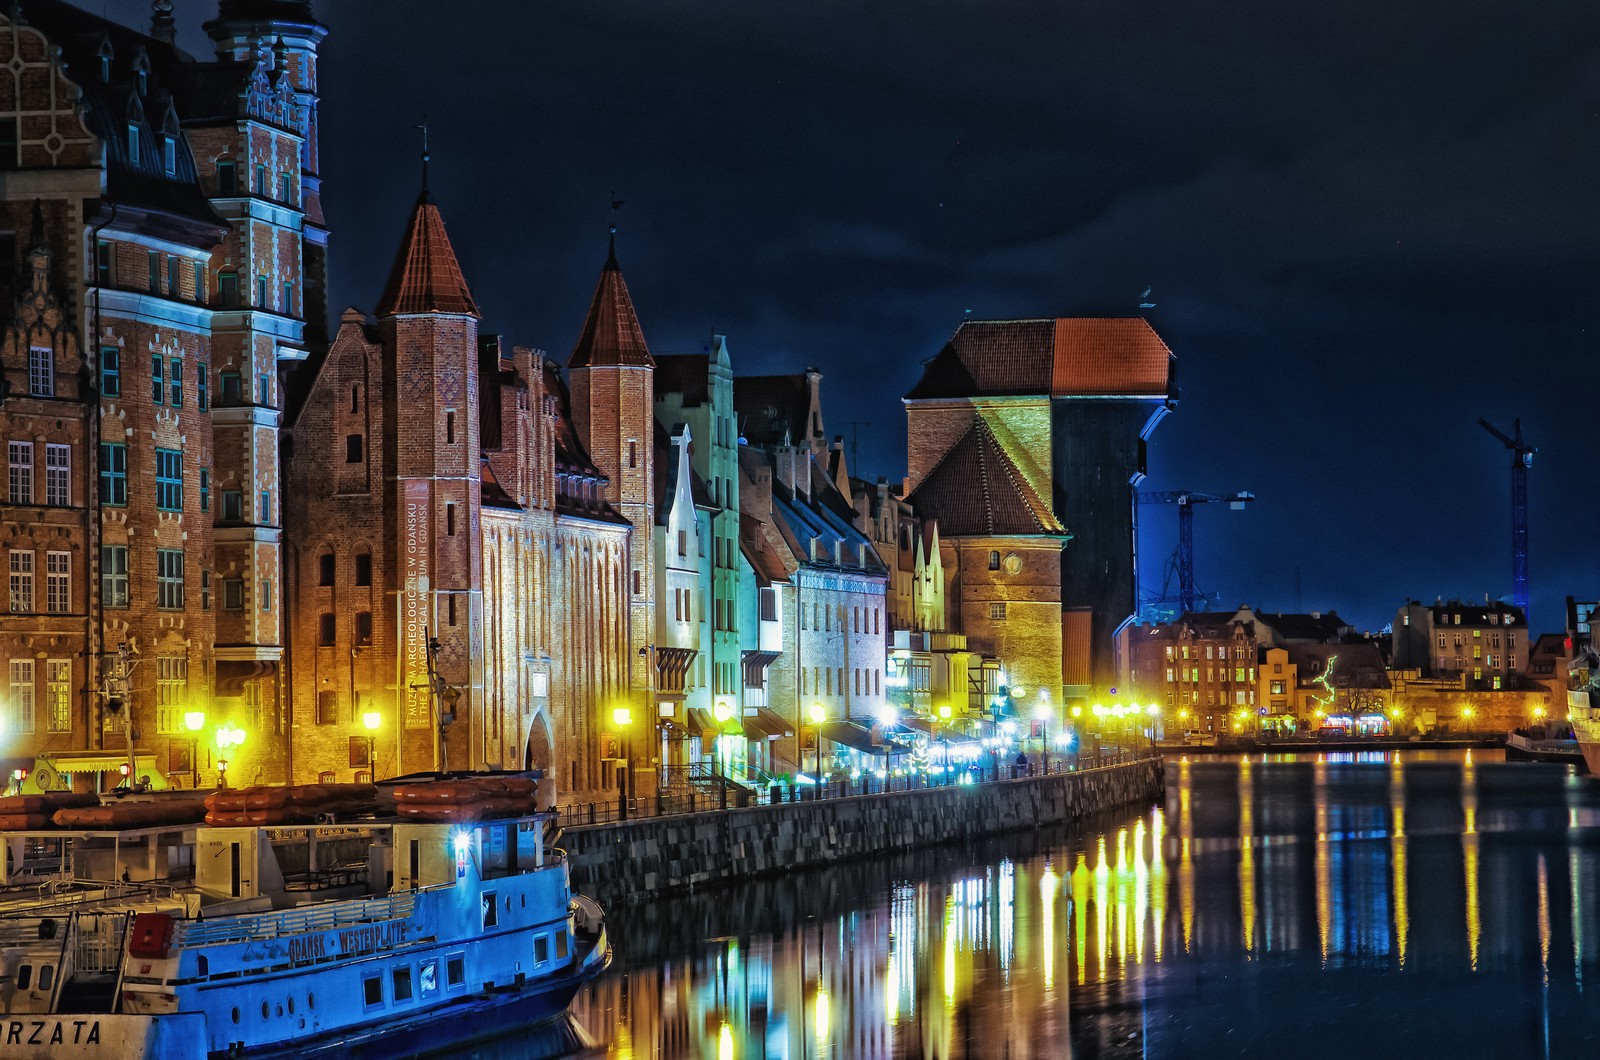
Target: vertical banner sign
414, 616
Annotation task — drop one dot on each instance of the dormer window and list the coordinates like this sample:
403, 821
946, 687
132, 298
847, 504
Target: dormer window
227, 179
133, 142
169, 155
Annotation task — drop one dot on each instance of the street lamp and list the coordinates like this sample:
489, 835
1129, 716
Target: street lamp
622, 717
944, 738
819, 714
371, 720
228, 735
1042, 712
194, 721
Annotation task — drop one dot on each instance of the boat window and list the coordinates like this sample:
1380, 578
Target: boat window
372, 989
561, 945
24, 976
266, 1010
428, 978
402, 983
202, 965
491, 911
47, 975
236, 1013
541, 949
455, 970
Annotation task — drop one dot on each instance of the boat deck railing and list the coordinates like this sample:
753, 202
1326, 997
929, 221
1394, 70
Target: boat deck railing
244, 927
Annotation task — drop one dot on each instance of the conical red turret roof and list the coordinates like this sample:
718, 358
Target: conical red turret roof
426, 277
611, 335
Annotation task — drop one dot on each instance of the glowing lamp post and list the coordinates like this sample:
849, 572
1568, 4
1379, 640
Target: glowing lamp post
622, 717
944, 738
194, 721
1042, 713
228, 735
819, 714
370, 720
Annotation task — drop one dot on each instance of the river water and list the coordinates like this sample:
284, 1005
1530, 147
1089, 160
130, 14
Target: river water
1327, 905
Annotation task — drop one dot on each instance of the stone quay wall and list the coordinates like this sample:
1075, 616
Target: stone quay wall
661, 854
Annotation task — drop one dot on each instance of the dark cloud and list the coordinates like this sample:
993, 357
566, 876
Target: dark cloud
1366, 224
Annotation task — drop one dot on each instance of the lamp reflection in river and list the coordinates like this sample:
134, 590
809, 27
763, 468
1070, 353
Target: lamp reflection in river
1469, 850
1397, 846
1080, 913
1247, 855
1049, 882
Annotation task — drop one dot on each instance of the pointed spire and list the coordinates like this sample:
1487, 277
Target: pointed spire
426, 277
611, 334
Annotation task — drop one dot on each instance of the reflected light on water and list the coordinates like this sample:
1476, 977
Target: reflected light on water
1385, 884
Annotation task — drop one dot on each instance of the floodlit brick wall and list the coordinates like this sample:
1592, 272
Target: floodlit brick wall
1027, 636
689, 850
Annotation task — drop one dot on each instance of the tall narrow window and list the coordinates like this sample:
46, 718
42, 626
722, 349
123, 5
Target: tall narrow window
10, 156
174, 287
228, 289
58, 582
227, 179
58, 694
205, 590
633, 454
155, 272
169, 155
169, 579
450, 608
202, 398
113, 474
114, 575
133, 142
22, 580
110, 371
266, 594
232, 506
263, 293
41, 371
21, 698
261, 181
325, 569
450, 522
177, 383
363, 628
102, 263
157, 384
352, 448
205, 489
325, 630
994, 561
58, 475
288, 298
19, 478
363, 568
199, 283
264, 510
232, 388
450, 428
169, 480
285, 188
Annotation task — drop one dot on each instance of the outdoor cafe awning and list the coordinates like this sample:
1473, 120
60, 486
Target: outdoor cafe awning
857, 737
767, 724
96, 761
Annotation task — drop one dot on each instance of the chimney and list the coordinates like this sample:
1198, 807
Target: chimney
162, 26
815, 437
757, 495
784, 457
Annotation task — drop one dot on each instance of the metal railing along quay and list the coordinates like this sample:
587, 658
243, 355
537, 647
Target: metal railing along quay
709, 791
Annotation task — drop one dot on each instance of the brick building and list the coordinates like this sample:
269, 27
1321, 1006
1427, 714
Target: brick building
1484, 645
162, 296
1068, 403
440, 497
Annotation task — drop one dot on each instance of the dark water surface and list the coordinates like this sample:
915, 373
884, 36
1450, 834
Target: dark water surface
1412, 904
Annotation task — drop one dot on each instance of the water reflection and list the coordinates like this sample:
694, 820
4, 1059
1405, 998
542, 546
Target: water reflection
1446, 903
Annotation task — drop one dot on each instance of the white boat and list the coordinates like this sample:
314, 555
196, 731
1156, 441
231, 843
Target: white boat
1583, 711
202, 941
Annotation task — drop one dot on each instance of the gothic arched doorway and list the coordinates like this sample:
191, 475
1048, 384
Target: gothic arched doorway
540, 751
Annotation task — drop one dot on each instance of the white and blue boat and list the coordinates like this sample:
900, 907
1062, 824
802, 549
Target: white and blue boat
379, 935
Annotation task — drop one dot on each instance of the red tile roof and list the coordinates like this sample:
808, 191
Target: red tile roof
611, 335
426, 277
976, 491
1065, 357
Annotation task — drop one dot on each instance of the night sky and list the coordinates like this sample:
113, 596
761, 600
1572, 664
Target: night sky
1366, 224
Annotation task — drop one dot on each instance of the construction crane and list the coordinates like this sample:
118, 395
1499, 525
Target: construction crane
1521, 461
1186, 500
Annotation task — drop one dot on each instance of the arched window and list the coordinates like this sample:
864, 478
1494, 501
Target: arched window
994, 560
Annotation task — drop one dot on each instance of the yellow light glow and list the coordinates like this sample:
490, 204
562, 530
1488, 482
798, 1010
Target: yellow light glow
1538, 712
1466, 712
822, 1013
725, 1043
944, 712
622, 717
722, 710
819, 713
194, 720
1152, 710
229, 735
371, 719
1077, 711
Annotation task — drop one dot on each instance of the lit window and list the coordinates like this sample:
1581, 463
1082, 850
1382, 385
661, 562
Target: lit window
114, 575
20, 717
169, 155
169, 579
21, 580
